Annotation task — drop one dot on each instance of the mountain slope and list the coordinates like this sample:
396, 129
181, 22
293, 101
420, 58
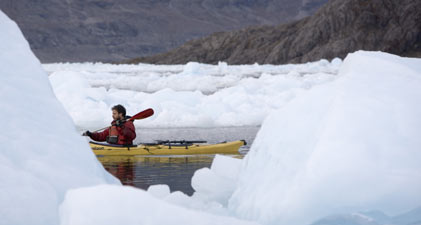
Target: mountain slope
339, 27
107, 30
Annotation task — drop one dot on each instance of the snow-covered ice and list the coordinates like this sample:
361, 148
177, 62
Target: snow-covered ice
191, 95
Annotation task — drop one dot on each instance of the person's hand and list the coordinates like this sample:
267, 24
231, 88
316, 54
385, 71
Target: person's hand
87, 133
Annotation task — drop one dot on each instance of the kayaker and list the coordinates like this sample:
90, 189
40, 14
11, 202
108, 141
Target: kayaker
121, 131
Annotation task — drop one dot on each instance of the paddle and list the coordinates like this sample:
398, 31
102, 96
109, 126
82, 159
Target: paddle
142, 115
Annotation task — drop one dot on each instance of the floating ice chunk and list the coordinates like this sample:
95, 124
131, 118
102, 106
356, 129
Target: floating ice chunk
226, 166
217, 183
222, 67
192, 68
336, 62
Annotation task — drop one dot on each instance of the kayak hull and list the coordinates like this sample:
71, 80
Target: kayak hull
221, 148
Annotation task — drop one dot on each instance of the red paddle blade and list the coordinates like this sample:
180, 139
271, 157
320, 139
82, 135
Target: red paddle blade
142, 115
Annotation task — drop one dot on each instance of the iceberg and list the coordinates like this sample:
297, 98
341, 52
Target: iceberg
42, 155
345, 146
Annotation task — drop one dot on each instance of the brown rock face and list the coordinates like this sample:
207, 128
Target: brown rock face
338, 28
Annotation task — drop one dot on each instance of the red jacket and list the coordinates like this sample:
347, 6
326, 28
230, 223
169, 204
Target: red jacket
126, 134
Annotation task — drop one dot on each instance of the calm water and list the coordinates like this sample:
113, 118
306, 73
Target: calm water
175, 171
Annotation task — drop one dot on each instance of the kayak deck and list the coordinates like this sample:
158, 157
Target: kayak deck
162, 149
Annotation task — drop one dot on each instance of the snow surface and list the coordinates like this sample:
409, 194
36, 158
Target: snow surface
345, 146
191, 95
42, 156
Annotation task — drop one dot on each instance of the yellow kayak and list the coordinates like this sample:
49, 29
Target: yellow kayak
180, 148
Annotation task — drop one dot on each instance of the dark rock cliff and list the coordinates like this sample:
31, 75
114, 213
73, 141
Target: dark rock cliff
339, 27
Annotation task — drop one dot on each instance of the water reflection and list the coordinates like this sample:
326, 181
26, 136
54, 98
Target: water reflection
175, 171
141, 171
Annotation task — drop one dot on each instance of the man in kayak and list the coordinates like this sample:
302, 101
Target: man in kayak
121, 131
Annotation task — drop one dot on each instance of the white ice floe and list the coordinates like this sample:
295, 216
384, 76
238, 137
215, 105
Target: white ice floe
191, 95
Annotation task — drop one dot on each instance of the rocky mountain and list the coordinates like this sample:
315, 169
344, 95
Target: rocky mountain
109, 30
337, 28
